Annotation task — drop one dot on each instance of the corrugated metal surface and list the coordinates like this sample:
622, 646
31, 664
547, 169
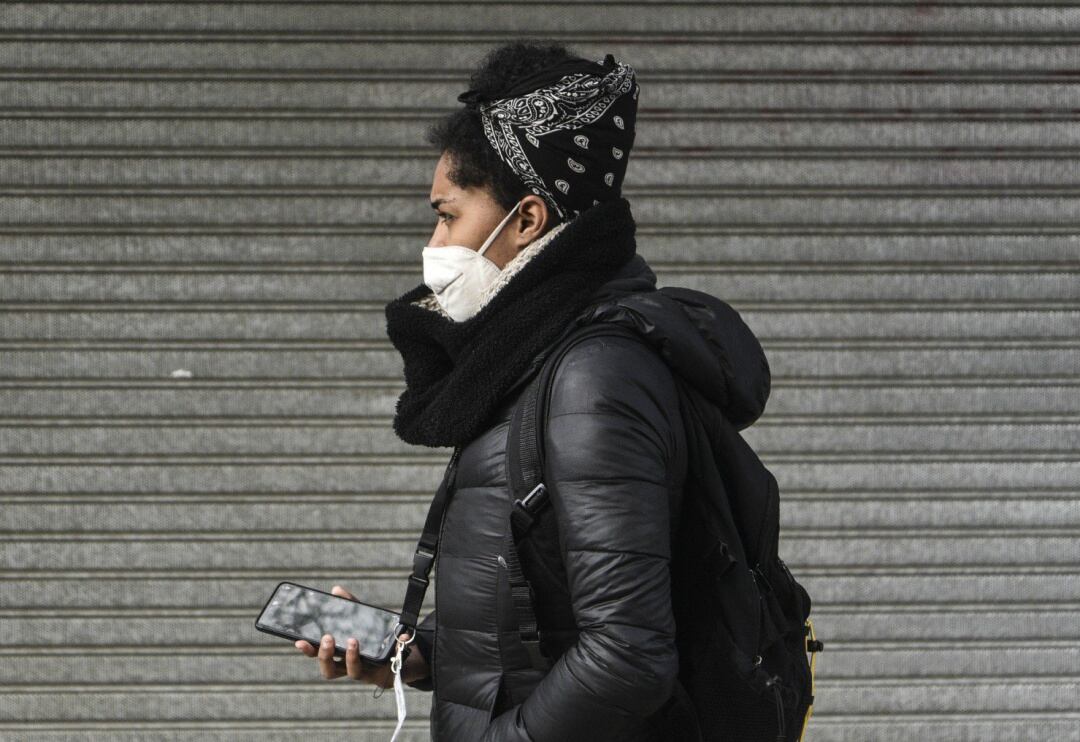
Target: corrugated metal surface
888, 192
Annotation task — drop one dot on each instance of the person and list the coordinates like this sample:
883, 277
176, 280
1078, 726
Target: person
534, 238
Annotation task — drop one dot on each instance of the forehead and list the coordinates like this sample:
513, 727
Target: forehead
445, 191
442, 189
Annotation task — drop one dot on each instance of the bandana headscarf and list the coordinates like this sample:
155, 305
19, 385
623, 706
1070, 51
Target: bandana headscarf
566, 131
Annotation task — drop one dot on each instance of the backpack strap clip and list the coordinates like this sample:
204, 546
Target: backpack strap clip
535, 499
422, 563
526, 508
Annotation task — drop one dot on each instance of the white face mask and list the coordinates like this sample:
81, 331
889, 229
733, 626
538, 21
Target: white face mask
459, 275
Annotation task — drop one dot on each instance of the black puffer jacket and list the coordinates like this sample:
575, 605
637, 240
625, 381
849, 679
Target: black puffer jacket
616, 460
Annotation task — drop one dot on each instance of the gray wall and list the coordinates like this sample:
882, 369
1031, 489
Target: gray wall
887, 193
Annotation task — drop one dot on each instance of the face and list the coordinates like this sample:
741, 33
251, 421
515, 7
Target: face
466, 216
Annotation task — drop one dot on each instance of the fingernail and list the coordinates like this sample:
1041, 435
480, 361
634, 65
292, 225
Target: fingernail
352, 643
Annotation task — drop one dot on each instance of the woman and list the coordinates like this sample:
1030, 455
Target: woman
533, 239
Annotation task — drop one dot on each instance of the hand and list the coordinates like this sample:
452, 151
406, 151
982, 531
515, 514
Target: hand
355, 666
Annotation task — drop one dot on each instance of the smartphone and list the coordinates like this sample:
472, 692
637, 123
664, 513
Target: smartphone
299, 612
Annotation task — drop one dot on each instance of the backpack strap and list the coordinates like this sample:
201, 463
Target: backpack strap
525, 473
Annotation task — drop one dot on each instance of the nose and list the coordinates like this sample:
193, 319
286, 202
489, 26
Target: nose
435, 240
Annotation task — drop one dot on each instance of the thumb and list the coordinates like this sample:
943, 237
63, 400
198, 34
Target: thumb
339, 590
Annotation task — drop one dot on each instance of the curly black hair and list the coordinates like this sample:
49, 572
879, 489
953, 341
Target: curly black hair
474, 164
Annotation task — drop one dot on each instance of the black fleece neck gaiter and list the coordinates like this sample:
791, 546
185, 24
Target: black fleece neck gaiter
457, 373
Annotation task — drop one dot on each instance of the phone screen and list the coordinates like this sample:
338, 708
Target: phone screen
308, 613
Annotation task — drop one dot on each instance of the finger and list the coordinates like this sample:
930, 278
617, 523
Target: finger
354, 664
305, 646
339, 590
327, 666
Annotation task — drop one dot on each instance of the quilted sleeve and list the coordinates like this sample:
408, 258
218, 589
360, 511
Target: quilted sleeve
612, 434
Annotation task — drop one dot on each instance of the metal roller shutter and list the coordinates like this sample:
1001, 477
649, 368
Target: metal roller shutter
206, 206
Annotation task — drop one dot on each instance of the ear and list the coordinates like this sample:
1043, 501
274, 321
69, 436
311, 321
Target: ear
534, 220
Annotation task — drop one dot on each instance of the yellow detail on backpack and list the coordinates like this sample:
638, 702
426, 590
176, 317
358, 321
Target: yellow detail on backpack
813, 658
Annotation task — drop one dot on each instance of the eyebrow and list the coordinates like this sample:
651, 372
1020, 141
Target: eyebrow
440, 201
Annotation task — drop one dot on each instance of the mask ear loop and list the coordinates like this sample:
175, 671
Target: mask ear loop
493, 235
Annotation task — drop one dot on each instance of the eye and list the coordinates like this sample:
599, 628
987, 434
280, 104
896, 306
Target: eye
446, 217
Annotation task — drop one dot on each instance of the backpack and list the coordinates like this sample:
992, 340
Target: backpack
744, 635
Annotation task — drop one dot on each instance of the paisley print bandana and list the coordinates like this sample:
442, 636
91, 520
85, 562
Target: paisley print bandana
566, 131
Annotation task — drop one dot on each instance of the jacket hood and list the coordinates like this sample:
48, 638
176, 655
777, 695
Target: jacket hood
702, 338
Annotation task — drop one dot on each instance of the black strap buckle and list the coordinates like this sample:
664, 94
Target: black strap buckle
421, 563
523, 514
532, 501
